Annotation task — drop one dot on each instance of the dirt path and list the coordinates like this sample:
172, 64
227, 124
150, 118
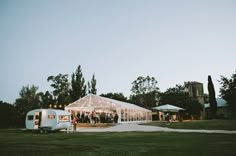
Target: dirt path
143, 128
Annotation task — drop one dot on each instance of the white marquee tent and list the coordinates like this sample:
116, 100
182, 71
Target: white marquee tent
168, 108
127, 112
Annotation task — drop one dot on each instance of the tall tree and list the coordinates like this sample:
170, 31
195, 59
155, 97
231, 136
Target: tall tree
29, 99
78, 89
93, 85
145, 91
61, 88
228, 92
212, 98
89, 88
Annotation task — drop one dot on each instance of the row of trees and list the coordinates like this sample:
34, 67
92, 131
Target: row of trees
63, 93
144, 92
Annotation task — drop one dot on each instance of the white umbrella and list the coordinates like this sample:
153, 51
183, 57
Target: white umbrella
168, 108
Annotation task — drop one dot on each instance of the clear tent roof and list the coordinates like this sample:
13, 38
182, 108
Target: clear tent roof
92, 101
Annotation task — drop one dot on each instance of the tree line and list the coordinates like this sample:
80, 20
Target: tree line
63, 92
144, 92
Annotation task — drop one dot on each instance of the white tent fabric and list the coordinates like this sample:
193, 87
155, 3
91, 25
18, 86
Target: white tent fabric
127, 112
168, 108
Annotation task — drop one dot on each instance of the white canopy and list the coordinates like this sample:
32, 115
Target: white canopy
168, 108
91, 102
126, 111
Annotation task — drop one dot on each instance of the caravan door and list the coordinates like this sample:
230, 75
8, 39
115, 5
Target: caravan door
37, 119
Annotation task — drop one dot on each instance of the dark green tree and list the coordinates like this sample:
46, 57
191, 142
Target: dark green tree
7, 115
46, 99
115, 96
175, 96
78, 87
89, 88
61, 88
212, 98
228, 92
93, 85
145, 91
29, 99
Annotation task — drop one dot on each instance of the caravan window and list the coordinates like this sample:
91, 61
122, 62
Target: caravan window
51, 116
64, 117
30, 117
36, 117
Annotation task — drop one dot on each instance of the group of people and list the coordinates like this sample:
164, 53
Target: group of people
165, 116
93, 118
96, 117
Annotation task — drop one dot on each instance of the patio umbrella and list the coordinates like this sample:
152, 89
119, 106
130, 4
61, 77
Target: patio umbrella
168, 108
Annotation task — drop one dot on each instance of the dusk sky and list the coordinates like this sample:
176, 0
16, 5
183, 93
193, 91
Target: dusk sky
173, 41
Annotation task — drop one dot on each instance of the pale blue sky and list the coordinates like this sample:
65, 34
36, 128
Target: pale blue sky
174, 41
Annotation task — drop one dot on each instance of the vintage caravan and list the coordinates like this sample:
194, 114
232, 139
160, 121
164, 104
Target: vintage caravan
47, 120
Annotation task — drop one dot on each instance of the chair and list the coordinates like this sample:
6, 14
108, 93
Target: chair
70, 129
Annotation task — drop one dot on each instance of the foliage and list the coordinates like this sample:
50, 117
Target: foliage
145, 91
93, 85
29, 99
115, 96
46, 99
206, 98
175, 95
192, 107
179, 97
212, 98
78, 87
7, 115
61, 88
228, 92
144, 85
89, 87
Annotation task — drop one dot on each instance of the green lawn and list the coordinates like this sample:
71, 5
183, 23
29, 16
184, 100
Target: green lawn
199, 124
17, 142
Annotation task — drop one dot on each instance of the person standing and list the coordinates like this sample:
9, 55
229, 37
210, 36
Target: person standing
74, 122
116, 118
82, 117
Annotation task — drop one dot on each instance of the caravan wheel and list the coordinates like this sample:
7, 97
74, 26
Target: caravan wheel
43, 130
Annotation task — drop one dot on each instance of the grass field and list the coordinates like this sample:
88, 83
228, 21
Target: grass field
17, 142
199, 124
